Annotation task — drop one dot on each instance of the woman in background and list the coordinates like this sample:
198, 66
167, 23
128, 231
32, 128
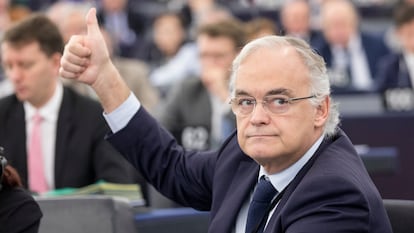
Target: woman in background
19, 212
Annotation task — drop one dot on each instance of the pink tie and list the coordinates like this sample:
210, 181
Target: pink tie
37, 179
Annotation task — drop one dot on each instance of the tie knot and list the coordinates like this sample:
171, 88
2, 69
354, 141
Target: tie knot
265, 191
37, 118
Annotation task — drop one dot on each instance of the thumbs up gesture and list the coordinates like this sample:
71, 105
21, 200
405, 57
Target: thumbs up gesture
86, 59
85, 55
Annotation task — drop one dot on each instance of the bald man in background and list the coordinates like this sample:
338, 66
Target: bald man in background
351, 55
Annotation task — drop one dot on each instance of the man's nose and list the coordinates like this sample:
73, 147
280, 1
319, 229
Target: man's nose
259, 115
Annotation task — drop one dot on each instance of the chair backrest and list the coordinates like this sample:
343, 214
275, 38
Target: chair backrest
86, 214
401, 215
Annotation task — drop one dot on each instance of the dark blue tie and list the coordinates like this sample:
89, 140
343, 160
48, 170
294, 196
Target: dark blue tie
259, 206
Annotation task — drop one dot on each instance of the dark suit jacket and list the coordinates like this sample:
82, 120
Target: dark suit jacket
394, 83
374, 48
332, 192
187, 114
393, 73
19, 212
82, 156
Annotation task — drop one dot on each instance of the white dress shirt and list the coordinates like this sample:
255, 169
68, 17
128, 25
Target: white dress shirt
409, 60
49, 113
357, 61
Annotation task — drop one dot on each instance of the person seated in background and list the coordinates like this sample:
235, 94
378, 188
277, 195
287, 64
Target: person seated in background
53, 136
168, 34
396, 71
352, 56
196, 112
178, 68
258, 27
168, 42
19, 212
125, 26
287, 168
70, 19
295, 18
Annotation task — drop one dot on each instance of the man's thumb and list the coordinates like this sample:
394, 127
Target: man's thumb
92, 22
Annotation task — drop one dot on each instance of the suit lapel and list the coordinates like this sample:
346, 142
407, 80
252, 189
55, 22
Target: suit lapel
244, 180
274, 222
63, 131
18, 150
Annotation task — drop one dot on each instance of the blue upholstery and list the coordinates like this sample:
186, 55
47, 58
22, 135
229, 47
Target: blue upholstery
168, 220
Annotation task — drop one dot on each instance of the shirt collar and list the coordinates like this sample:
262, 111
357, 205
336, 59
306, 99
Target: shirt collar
50, 110
409, 58
282, 179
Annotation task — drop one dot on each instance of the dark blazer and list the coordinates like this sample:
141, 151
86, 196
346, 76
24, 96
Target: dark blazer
82, 156
393, 73
187, 114
332, 192
394, 83
374, 48
19, 212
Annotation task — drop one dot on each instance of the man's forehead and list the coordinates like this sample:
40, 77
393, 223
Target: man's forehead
21, 45
270, 91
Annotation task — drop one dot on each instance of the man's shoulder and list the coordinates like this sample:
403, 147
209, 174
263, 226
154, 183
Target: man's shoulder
78, 101
8, 103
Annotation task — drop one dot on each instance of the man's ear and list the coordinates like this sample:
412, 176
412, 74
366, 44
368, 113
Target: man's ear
322, 112
56, 59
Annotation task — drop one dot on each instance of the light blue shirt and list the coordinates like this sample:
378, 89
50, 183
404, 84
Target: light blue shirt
120, 117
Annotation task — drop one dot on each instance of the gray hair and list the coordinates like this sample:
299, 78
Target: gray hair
319, 80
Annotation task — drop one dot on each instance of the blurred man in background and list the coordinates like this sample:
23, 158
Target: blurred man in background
53, 136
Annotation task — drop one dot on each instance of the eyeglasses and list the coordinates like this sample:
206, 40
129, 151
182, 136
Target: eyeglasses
244, 105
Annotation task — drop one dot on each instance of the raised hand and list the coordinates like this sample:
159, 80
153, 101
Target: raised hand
85, 56
86, 59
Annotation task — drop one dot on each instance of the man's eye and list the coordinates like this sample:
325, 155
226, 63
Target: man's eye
279, 101
245, 102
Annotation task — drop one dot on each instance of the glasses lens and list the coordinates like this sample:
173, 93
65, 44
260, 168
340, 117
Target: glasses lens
277, 104
243, 105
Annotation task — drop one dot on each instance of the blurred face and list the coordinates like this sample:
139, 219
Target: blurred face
295, 18
32, 73
216, 57
168, 34
276, 141
406, 36
339, 23
73, 25
114, 5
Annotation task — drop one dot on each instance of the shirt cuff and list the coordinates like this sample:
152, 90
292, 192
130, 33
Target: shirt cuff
120, 117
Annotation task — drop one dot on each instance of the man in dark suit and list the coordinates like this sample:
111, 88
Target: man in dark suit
197, 111
352, 56
287, 137
396, 71
125, 25
73, 149
295, 18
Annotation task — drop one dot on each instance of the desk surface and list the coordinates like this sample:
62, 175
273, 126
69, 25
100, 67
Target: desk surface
387, 130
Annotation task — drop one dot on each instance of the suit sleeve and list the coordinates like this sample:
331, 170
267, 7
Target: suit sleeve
183, 176
329, 204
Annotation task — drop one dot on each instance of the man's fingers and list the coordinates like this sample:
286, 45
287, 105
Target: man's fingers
77, 47
69, 75
71, 67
